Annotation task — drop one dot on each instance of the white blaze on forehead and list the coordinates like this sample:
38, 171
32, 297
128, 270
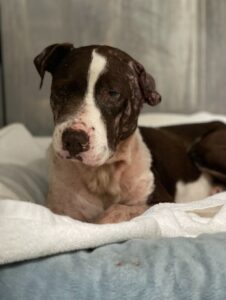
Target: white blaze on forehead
97, 67
92, 116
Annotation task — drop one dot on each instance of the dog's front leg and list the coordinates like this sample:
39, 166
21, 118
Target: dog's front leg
120, 213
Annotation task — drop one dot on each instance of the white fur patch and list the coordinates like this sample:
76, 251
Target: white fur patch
97, 67
193, 191
89, 119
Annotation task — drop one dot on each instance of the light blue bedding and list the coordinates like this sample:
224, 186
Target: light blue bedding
178, 268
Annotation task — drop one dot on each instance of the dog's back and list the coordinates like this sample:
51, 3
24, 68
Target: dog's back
173, 150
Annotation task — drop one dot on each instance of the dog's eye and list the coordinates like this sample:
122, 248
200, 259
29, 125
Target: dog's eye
114, 94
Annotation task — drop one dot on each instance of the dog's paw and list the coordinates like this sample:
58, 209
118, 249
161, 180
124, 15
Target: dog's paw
120, 213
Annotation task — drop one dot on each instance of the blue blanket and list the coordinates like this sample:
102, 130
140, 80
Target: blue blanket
177, 268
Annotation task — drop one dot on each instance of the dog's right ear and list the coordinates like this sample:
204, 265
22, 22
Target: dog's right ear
50, 57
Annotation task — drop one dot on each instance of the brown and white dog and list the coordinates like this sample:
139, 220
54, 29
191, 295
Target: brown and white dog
104, 168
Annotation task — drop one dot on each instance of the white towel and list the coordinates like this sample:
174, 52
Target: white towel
28, 230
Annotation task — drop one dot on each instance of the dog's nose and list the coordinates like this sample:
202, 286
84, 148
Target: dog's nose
75, 141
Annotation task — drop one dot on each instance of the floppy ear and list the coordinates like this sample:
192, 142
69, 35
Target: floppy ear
50, 57
147, 85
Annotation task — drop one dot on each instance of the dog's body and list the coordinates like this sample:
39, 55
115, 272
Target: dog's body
105, 169
151, 166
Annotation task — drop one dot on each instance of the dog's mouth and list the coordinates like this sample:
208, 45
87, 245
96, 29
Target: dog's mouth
87, 158
67, 156
64, 154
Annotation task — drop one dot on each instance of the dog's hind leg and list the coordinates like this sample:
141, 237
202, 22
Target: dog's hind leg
209, 153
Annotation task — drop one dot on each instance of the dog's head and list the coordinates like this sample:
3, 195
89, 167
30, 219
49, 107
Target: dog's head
96, 96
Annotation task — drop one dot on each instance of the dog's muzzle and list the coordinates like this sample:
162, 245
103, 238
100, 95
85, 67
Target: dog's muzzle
75, 142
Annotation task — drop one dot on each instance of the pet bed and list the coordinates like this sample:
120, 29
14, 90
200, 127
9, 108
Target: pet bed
145, 264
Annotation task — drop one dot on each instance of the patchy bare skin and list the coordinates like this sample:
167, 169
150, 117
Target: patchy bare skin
113, 192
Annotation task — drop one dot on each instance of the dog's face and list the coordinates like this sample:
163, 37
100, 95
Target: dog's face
96, 96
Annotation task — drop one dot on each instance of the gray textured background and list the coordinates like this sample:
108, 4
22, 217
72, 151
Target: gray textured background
1, 89
181, 42
1, 103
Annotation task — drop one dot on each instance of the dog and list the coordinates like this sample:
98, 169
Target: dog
104, 169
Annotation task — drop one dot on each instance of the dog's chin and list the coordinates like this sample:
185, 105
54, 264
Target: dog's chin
85, 158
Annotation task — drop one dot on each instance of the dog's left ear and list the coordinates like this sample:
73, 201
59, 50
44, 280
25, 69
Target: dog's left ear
147, 85
50, 57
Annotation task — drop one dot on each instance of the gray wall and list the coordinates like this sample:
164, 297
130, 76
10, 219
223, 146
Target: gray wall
181, 42
1, 101
1, 89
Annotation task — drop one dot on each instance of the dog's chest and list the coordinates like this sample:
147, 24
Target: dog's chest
104, 182
120, 183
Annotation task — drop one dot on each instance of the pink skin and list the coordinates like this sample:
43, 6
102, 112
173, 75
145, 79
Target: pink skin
63, 154
216, 189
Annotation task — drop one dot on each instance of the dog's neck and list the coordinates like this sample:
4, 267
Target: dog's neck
126, 149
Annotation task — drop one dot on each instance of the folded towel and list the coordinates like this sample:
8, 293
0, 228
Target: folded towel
28, 230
